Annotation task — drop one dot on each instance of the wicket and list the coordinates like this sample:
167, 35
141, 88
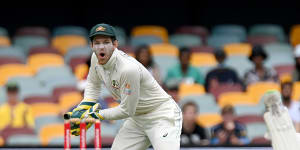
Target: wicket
67, 135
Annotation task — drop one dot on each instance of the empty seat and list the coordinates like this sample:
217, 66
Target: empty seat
190, 89
164, 63
246, 119
241, 110
68, 100
42, 121
268, 29
235, 98
2, 94
10, 60
23, 140
230, 29
3, 31
10, 131
239, 63
256, 130
224, 88
206, 103
144, 40
27, 42
75, 61
194, 30
43, 49
38, 61
54, 82
218, 41
51, 131
54, 71
59, 91
33, 31
164, 49
70, 30
203, 48
208, 120
77, 52
121, 35
203, 59
4, 41
44, 109
261, 39
238, 49
158, 31
81, 71
279, 54
296, 91
65, 42
39, 99
256, 90
185, 40
12, 70
15, 52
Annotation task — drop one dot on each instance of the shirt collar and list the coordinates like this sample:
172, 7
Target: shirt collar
111, 62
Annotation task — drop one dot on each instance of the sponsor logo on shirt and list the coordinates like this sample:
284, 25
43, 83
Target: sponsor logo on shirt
127, 89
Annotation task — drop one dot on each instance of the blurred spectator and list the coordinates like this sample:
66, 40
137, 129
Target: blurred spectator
229, 132
221, 74
296, 72
183, 72
293, 106
144, 56
192, 134
260, 72
14, 113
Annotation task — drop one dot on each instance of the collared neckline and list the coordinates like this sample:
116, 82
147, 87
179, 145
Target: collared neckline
111, 62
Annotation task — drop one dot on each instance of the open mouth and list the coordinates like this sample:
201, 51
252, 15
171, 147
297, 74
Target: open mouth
102, 54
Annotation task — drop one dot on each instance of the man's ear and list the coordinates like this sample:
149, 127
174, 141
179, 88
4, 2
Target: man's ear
116, 43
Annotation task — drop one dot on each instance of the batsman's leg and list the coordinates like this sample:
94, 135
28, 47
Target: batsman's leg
130, 137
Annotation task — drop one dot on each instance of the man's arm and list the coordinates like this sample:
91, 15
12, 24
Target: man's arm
93, 87
130, 92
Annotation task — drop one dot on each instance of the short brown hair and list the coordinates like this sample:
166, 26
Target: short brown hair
227, 109
189, 104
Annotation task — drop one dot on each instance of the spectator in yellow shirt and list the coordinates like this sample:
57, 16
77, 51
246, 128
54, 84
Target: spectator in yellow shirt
14, 113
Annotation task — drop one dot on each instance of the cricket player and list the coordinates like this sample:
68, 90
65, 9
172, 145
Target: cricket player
280, 126
151, 115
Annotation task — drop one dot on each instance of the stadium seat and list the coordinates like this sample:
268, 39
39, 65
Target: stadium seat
20, 140
43, 49
75, 61
27, 42
12, 70
239, 63
206, 103
190, 89
256, 90
296, 91
65, 42
284, 69
208, 120
2, 142
77, 52
81, 71
279, 54
44, 109
128, 49
38, 61
164, 49
222, 88
121, 35
203, 59
68, 100
39, 99
3, 31
238, 49
241, 110
235, 98
4, 41
33, 31
10, 131
230, 29
260, 141
51, 131
203, 48
218, 41
45, 120
158, 31
261, 39
2, 94
70, 30
200, 31
54, 71
185, 40
59, 91
10, 60
256, 130
246, 119
294, 35
54, 82
268, 29
144, 40
16, 52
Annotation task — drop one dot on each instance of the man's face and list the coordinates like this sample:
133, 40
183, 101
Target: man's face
286, 91
189, 114
185, 58
103, 47
12, 97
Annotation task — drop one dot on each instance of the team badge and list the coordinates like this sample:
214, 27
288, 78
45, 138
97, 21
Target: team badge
100, 29
127, 89
115, 84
